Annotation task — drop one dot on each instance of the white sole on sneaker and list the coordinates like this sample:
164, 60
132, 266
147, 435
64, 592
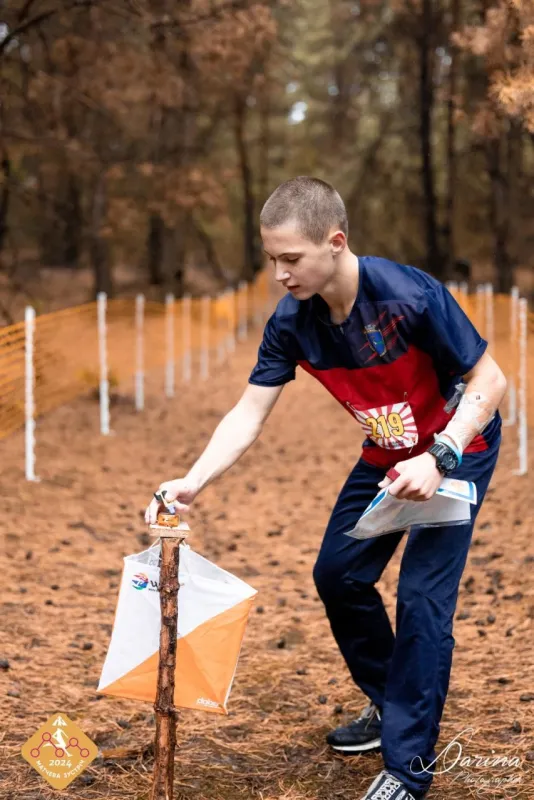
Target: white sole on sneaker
357, 748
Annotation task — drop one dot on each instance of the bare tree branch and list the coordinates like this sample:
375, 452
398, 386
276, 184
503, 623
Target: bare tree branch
45, 15
183, 22
38, 18
25, 10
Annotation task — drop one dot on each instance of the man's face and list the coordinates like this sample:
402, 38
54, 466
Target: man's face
301, 266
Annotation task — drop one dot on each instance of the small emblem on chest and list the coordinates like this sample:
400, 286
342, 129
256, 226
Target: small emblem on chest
381, 335
375, 339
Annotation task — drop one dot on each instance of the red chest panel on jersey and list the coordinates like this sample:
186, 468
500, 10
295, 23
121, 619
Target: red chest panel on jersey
398, 405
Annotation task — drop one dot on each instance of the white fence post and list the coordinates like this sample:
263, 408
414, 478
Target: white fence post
169, 365
29, 404
258, 310
243, 310
522, 389
230, 345
221, 332
101, 307
481, 317
463, 295
512, 392
246, 309
139, 353
205, 337
489, 316
186, 336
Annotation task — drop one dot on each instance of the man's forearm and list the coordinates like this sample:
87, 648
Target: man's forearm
232, 437
484, 391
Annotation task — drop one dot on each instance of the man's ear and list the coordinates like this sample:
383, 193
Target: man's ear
338, 242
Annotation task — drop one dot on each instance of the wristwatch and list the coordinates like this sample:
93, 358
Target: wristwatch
446, 458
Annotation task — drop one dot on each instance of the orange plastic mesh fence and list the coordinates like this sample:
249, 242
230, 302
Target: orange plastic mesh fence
12, 368
502, 339
66, 357
66, 350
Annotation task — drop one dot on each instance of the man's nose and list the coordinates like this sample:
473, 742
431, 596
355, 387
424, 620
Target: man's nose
281, 273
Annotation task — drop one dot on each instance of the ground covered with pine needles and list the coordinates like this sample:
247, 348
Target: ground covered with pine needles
64, 542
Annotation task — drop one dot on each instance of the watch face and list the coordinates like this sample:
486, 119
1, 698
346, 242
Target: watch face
449, 461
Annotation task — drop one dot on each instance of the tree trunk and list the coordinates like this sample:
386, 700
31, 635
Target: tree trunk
426, 89
167, 253
499, 219
448, 227
98, 247
155, 247
62, 222
252, 257
502, 158
265, 139
209, 249
4, 198
177, 245
339, 103
178, 239
514, 171
51, 235
73, 222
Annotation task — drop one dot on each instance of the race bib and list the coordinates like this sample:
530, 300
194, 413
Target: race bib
392, 427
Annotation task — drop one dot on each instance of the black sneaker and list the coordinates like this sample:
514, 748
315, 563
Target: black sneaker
359, 736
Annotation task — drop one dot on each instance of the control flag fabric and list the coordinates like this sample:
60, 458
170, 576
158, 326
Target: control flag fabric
213, 608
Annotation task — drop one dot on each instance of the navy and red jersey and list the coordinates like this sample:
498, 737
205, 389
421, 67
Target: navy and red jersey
392, 364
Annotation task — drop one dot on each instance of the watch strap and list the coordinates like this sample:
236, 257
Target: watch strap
449, 443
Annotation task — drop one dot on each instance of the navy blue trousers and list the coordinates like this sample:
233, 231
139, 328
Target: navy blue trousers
406, 674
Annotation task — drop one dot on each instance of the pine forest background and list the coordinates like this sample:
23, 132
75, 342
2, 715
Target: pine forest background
139, 138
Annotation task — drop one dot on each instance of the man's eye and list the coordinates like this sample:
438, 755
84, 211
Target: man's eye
291, 260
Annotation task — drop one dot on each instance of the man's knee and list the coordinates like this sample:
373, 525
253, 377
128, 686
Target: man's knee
334, 581
326, 574
426, 607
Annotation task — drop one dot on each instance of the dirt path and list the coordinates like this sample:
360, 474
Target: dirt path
64, 541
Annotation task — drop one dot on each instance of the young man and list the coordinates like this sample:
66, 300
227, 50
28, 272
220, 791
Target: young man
394, 348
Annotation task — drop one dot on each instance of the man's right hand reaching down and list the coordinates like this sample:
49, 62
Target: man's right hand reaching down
180, 492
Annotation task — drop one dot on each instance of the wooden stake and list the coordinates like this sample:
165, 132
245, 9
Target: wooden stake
166, 713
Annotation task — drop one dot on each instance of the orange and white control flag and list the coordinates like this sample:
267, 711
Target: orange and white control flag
213, 608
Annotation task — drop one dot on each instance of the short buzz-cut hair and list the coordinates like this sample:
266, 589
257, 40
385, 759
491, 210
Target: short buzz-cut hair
314, 205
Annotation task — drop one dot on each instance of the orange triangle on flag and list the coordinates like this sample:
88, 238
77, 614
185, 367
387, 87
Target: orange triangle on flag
205, 664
